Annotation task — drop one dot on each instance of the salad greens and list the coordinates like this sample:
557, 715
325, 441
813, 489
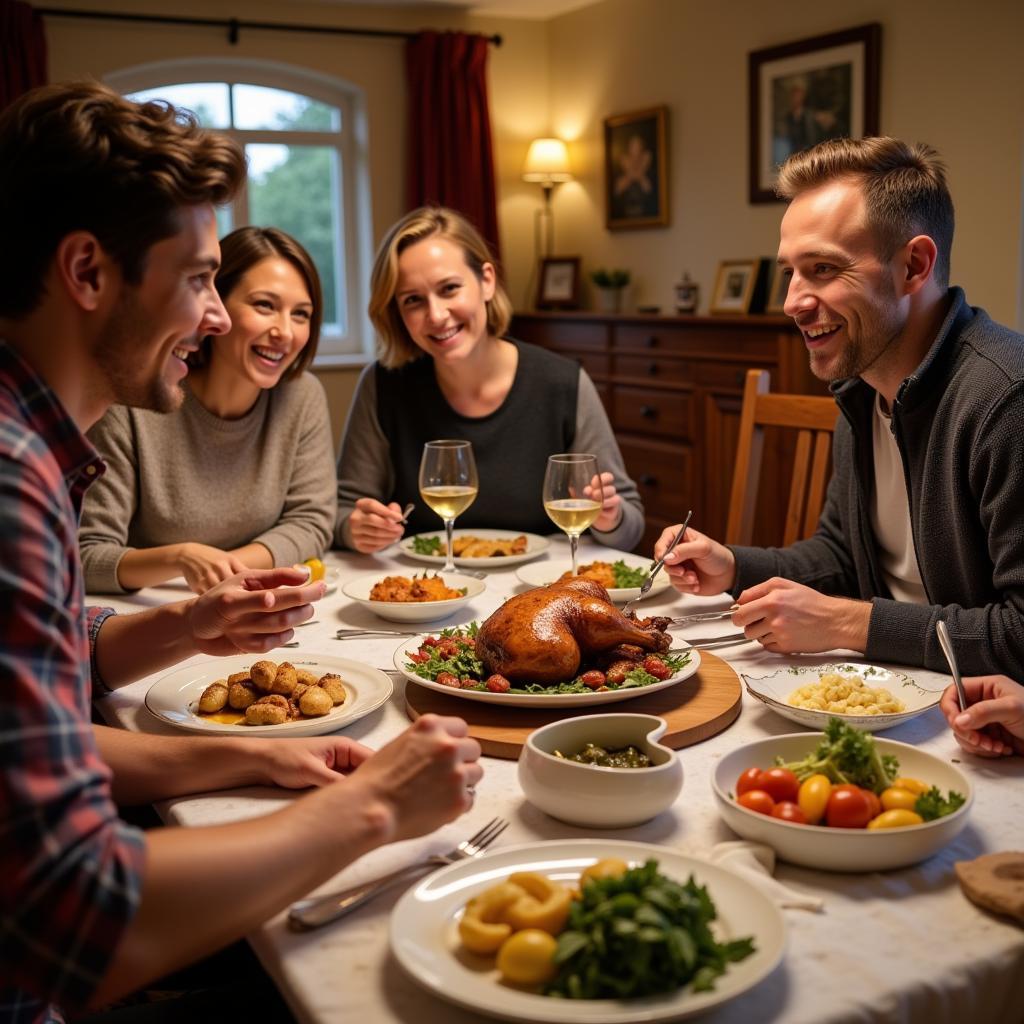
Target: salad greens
629, 575
847, 755
639, 934
428, 545
933, 804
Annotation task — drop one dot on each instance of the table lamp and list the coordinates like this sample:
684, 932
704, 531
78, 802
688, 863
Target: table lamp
547, 163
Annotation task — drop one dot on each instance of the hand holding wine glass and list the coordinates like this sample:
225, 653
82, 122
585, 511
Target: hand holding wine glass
570, 507
448, 484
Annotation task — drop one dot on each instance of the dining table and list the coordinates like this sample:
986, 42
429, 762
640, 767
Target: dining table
902, 946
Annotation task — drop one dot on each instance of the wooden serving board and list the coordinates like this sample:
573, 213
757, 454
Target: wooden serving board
695, 709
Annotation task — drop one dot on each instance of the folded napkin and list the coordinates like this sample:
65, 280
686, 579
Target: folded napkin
756, 863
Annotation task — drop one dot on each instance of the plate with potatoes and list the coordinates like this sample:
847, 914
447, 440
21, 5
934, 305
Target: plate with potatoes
870, 697
249, 695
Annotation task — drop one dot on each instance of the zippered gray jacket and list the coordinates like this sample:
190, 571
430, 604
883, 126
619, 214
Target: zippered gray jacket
958, 420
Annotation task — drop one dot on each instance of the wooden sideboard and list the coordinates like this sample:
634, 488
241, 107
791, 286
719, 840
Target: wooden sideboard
673, 388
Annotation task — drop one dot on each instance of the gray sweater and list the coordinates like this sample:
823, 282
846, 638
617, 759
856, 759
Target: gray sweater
957, 420
366, 466
192, 476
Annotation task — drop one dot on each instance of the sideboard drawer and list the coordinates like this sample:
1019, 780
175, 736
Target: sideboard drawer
597, 364
666, 413
653, 368
663, 473
562, 334
650, 338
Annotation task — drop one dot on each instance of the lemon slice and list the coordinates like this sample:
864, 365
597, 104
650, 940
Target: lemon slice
316, 569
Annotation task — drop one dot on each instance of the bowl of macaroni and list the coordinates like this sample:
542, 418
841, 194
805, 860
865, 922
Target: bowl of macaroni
868, 696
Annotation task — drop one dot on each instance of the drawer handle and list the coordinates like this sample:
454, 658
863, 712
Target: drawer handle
649, 480
652, 369
648, 412
652, 341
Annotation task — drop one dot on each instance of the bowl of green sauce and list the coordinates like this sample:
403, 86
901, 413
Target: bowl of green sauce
601, 771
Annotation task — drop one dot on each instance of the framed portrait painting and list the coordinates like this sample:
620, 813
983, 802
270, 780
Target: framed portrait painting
805, 92
636, 169
558, 284
777, 290
734, 286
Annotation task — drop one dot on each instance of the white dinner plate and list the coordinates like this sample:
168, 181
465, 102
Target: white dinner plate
774, 690
424, 933
173, 698
543, 573
546, 700
535, 545
414, 611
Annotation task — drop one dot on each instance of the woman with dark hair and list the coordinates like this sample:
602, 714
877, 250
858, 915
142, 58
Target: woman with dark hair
445, 368
241, 476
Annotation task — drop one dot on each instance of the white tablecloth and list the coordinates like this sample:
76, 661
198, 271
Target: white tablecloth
899, 946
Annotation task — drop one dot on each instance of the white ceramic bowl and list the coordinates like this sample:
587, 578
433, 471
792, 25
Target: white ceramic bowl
774, 690
413, 611
592, 796
840, 849
542, 574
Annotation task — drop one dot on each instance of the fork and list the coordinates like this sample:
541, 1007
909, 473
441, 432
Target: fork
475, 573
350, 634
656, 568
304, 915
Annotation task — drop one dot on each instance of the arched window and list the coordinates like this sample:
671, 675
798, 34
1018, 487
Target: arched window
305, 139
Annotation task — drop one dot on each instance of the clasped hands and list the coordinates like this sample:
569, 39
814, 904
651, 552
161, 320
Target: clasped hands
783, 616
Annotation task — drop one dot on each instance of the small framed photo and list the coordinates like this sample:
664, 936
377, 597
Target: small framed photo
777, 290
805, 92
734, 286
559, 283
636, 169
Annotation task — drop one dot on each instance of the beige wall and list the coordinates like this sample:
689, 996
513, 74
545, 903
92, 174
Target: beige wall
951, 76
951, 79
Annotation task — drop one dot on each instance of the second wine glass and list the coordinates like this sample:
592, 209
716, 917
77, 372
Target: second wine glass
565, 502
448, 484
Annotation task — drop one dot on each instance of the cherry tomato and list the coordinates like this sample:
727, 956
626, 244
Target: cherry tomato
656, 667
757, 800
498, 684
895, 798
447, 679
789, 811
876, 803
914, 785
813, 797
848, 807
899, 817
593, 679
780, 784
747, 781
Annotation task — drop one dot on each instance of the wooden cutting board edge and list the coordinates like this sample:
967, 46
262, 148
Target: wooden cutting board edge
695, 709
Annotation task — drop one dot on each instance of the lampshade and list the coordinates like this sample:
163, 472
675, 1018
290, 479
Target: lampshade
547, 161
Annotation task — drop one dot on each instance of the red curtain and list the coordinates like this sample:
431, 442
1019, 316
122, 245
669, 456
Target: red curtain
450, 158
23, 45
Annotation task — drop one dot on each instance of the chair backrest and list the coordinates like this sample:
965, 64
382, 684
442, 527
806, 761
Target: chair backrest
815, 421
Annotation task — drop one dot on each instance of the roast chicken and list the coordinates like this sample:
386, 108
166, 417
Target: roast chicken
544, 635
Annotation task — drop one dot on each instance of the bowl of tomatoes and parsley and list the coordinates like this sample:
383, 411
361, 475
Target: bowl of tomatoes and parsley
842, 800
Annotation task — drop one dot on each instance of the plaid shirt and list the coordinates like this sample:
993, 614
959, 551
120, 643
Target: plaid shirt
70, 869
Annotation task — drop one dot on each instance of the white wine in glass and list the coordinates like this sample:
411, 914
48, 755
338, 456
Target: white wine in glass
567, 506
448, 484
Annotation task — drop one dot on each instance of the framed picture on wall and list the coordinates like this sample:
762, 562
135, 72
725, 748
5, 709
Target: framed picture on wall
734, 286
636, 169
559, 283
805, 92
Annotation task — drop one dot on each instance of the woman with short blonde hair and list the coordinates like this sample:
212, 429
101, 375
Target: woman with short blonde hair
445, 368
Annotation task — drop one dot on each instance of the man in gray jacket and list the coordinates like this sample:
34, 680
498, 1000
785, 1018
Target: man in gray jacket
923, 519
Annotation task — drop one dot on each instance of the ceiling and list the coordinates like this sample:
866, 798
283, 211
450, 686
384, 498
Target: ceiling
531, 9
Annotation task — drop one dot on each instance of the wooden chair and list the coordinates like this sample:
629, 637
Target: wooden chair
815, 421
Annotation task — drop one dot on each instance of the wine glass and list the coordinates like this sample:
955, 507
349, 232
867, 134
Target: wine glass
564, 501
448, 484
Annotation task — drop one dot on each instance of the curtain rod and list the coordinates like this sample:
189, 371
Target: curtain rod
234, 25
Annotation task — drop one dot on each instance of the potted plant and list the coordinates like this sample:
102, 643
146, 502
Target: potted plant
609, 285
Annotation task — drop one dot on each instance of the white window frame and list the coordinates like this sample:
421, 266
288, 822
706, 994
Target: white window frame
353, 152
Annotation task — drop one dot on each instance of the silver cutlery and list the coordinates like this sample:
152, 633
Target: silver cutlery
350, 634
656, 568
475, 573
406, 512
706, 643
293, 643
686, 620
946, 643
307, 914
